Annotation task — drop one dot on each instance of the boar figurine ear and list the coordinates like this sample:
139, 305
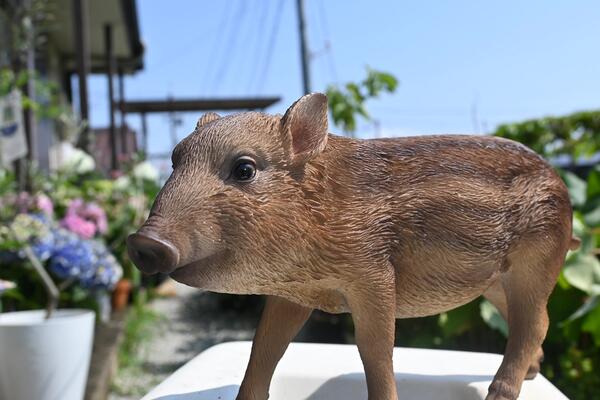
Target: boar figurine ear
304, 127
206, 118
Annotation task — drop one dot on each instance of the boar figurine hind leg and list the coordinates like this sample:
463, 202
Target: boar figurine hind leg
382, 228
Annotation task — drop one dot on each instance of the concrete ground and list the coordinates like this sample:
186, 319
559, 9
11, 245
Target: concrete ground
192, 322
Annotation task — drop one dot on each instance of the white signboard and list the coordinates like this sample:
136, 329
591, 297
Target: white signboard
13, 144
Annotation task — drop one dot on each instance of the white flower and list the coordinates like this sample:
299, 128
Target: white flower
65, 157
122, 183
146, 170
6, 285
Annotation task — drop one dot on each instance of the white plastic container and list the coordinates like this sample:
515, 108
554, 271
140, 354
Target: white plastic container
45, 359
333, 372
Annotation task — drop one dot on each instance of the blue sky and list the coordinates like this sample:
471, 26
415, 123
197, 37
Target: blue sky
464, 66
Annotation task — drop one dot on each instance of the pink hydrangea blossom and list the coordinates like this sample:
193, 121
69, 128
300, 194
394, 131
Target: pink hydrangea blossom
94, 212
25, 203
44, 204
73, 222
85, 219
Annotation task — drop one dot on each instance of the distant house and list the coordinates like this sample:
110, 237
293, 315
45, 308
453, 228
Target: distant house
82, 37
101, 147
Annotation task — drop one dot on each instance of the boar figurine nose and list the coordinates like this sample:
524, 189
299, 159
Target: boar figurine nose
151, 254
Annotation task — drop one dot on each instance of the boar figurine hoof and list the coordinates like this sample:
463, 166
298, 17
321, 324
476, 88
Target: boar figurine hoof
381, 229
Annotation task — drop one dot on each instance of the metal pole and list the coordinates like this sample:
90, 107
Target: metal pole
110, 63
82, 46
144, 135
29, 115
303, 47
123, 130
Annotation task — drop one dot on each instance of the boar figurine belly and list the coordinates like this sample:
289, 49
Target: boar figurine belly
382, 229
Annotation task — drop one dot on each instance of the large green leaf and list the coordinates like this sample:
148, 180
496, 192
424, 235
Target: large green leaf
492, 317
593, 183
592, 218
583, 272
591, 324
583, 232
590, 304
577, 188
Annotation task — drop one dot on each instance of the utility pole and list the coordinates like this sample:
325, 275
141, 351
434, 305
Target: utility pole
30, 90
82, 49
174, 122
110, 63
123, 131
303, 47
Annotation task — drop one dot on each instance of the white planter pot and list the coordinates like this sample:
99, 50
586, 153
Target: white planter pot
45, 359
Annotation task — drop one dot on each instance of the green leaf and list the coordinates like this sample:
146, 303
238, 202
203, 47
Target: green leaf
590, 304
592, 324
583, 232
582, 271
592, 218
593, 183
347, 102
492, 317
390, 81
577, 188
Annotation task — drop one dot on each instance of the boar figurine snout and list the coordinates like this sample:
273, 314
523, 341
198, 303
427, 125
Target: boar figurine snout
152, 254
381, 228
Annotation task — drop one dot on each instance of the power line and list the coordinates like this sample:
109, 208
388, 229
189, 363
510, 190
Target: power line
262, 26
325, 29
212, 57
182, 51
230, 47
316, 54
271, 44
250, 33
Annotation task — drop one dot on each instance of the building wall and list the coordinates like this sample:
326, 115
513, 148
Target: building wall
101, 149
4, 37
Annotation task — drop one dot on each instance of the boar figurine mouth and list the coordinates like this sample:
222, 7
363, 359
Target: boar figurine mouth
188, 273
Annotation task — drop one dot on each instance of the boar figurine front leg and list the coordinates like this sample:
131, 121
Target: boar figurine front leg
383, 229
280, 322
374, 321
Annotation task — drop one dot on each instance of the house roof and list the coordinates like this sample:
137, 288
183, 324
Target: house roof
122, 14
182, 105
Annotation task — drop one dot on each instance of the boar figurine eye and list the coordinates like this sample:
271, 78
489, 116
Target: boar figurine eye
244, 170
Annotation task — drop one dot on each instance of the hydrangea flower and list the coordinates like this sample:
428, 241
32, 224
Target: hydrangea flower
79, 225
43, 247
26, 227
72, 257
85, 219
25, 203
68, 255
107, 270
95, 213
44, 204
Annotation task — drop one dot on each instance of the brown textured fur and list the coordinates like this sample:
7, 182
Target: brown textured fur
384, 229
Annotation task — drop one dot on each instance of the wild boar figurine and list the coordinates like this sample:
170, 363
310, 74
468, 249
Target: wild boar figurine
379, 228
